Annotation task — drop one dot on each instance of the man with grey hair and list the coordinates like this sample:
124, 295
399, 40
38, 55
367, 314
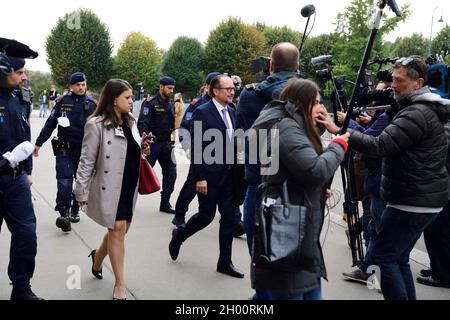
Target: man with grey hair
414, 178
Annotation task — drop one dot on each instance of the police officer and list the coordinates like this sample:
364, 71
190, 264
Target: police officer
70, 112
16, 207
157, 116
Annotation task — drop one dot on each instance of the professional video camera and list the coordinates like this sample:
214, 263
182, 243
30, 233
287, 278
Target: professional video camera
261, 68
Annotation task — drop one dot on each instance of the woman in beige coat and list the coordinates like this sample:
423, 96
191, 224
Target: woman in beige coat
108, 174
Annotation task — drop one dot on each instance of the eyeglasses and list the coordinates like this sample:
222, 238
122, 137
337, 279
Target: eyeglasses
410, 63
229, 90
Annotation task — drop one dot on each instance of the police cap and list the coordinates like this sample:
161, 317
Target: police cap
77, 77
12, 55
211, 76
167, 81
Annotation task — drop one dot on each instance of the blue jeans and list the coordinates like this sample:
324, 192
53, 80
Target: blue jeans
377, 206
314, 294
251, 202
399, 232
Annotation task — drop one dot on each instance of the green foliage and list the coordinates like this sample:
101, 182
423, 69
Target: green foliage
416, 44
276, 35
184, 61
39, 81
354, 27
80, 42
441, 43
232, 46
314, 47
139, 60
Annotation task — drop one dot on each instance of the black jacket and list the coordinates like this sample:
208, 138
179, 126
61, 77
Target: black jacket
306, 173
414, 151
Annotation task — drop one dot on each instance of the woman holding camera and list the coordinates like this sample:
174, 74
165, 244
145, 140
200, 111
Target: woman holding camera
107, 174
306, 167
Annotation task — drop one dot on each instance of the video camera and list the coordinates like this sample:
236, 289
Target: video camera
261, 68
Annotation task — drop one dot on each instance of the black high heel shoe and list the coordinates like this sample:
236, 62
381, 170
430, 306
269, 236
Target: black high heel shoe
117, 299
97, 274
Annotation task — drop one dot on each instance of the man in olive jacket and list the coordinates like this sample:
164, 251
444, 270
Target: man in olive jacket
414, 177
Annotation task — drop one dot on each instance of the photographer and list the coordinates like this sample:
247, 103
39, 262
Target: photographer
414, 179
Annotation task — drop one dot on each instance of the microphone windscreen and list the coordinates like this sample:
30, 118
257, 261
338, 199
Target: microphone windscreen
308, 10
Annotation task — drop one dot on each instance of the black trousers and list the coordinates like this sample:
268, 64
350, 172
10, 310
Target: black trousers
437, 241
220, 195
187, 194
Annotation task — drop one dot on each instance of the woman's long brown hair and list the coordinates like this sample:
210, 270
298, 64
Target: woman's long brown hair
303, 93
112, 89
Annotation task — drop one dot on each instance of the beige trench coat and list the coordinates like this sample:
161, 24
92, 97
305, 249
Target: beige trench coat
100, 172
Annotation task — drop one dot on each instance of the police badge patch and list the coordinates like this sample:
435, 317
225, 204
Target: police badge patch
145, 111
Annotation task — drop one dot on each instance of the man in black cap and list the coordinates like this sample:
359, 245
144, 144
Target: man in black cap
16, 207
157, 116
70, 113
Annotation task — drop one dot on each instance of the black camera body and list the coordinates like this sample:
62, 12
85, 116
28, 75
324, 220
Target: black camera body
379, 96
261, 68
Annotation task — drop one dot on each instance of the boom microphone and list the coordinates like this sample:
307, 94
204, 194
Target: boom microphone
393, 5
308, 10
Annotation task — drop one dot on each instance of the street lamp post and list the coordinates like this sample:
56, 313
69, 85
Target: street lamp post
431, 32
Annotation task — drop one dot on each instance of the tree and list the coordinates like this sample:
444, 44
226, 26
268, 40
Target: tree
316, 46
39, 81
416, 44
139, 60
184, 61
80, 42
232, 46
276, 35
441, 43
354, 27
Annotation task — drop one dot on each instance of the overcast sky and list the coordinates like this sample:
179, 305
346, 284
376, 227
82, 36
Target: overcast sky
164, 21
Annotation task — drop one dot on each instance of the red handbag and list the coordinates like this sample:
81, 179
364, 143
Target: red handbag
148, 181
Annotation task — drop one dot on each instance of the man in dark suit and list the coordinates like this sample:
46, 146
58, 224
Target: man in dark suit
212, 167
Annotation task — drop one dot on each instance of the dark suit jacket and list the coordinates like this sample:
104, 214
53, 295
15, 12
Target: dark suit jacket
209, 118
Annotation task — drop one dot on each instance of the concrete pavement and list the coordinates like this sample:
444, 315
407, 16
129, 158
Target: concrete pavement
63, 267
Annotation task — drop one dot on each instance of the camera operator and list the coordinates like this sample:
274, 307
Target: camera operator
283, 66
414, 178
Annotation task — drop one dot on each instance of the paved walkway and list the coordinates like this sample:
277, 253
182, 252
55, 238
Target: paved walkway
63, 268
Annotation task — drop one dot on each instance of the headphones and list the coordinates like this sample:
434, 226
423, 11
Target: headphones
5, 64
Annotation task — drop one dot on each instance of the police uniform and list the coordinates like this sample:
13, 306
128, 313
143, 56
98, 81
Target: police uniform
157, 116
16, 207
67, 149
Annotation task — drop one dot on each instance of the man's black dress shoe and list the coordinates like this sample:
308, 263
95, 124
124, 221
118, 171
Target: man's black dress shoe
174, 246
430, 281
166, 207
178, 221
239, 229
426, 272
230, 270
23, 293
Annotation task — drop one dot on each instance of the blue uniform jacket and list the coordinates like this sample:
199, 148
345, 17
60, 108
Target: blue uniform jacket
14, 123
77, 109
